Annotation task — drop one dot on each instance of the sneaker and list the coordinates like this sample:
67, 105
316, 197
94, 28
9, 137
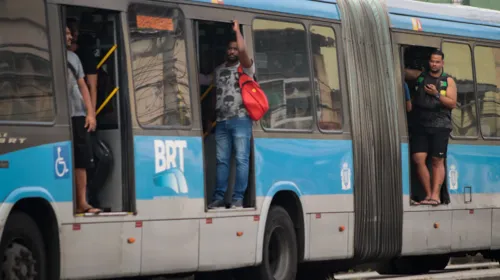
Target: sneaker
237, 203
216, 204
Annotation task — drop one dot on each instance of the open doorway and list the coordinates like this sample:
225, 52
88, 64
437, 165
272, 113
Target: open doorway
415, 59
97, 44
212, 39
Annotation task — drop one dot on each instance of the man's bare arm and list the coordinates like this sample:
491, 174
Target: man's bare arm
92, 85
245, 60
450, 100
412, 74
90, 122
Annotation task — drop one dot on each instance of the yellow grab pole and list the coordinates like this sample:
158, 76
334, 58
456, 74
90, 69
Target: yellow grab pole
206, 92
106, 56
107, 100
208, 131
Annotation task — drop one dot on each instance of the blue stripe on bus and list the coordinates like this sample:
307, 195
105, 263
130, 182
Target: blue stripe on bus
309, 167
448, 28
40, 171
476, 166
315, 166
173, 166
405, 161
299, 7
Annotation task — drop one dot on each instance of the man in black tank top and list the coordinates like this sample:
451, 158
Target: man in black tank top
435, 97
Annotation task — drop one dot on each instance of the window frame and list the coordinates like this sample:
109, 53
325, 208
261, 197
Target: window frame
484, 45
473, 68
50, 62
188, 61
310, 76
311, 24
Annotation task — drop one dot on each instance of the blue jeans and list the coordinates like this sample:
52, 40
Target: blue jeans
233, 132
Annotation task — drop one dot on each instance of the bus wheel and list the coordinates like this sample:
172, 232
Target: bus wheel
279, 260
23, 249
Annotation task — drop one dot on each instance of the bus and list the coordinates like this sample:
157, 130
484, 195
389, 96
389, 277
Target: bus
331, 179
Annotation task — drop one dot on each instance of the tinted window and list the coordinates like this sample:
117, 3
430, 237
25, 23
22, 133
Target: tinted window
26, 90
159, 63
283, 72
458, 64
324, 54
488, 89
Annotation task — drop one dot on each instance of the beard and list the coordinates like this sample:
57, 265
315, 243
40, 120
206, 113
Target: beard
232, 59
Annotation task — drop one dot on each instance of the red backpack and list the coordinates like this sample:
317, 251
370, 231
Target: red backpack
254, 98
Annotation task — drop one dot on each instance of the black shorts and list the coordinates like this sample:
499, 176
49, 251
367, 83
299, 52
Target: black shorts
433, 141
82, 146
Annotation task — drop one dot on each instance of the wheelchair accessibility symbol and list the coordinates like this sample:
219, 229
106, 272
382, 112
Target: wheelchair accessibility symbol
61, 168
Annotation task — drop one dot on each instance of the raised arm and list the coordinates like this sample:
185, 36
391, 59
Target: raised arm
245, 60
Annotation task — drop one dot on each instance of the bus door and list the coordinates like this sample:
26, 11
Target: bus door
100, 48
97, 40
213, 30
411, 55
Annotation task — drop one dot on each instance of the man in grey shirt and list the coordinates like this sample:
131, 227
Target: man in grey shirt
234, 126
82, 121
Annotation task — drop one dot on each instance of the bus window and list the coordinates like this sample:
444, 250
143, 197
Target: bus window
159, 63
488, 89
283, 72
326, 76
458, 64
26, 89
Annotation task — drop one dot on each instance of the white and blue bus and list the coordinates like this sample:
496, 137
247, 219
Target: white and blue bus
331, 179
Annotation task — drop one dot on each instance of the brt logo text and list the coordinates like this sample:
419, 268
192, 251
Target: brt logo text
169, 154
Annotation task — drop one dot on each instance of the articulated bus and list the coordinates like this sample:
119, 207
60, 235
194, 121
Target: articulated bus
331, 177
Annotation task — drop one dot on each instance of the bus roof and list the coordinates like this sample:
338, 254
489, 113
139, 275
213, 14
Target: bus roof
446, 12
313, 8
458, 20
449, 19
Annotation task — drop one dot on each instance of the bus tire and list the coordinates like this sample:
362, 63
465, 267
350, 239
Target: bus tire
23, 249
279, 251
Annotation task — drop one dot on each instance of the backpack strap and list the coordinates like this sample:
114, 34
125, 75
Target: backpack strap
73, 70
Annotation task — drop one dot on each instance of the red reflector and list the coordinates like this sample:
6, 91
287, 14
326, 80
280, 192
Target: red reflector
76, 227
209, 221
318, 215
471, 211
256, 218
138, 224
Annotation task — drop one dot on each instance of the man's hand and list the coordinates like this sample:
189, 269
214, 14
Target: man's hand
208, 126
90, 123
408, 106
236, 26
431, 89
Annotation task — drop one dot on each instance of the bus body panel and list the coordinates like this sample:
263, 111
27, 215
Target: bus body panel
172, 232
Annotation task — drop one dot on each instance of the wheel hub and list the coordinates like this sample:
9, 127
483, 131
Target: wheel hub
18, 263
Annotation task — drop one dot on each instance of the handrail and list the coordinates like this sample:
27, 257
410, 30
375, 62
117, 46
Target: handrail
106, 56
205, 94
106, 100
115, 90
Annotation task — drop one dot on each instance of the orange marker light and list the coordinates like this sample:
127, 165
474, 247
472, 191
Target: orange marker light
341, 228
436, 225
131, 240
239, 233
